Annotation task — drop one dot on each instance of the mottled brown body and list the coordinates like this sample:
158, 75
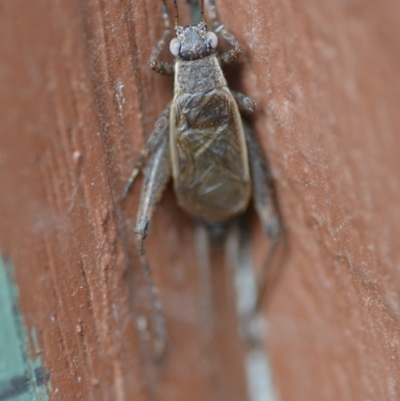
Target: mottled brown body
201, 141
207, 143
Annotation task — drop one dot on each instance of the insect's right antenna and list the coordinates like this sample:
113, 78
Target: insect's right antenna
176, 13
202, 11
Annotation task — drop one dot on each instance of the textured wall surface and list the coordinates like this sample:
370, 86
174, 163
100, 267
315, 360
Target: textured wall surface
77, 101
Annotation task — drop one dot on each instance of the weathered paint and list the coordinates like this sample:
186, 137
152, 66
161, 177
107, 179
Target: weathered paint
22, 377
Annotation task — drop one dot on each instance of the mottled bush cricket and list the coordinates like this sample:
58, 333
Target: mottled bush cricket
202, 142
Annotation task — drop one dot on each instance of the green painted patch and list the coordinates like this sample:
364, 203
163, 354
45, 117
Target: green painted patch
22, 377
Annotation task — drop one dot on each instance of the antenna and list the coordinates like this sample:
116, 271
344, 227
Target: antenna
202, 10
176, 13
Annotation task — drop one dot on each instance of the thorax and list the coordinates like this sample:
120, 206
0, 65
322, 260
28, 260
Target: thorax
198, 76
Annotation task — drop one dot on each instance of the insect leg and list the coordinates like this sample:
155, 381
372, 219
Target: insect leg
245, 104
230, 55
156, 176
237, 256
202, 244
160, 129
264, 203
162, 67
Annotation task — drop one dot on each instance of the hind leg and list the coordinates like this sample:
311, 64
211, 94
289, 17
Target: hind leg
208, 236
264, 202
156, 177
251, 323
160, 130
202, 245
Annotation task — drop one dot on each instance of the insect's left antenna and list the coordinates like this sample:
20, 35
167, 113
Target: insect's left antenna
176, 13
202, 11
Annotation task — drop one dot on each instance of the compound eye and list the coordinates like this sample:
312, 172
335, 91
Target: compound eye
175, 46
212, 39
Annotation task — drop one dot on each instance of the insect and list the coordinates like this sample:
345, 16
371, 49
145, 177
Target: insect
202, 142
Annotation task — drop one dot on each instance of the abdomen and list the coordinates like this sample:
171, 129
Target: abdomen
209, 155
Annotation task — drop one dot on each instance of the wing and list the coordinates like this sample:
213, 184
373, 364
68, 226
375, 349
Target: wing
209, 155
